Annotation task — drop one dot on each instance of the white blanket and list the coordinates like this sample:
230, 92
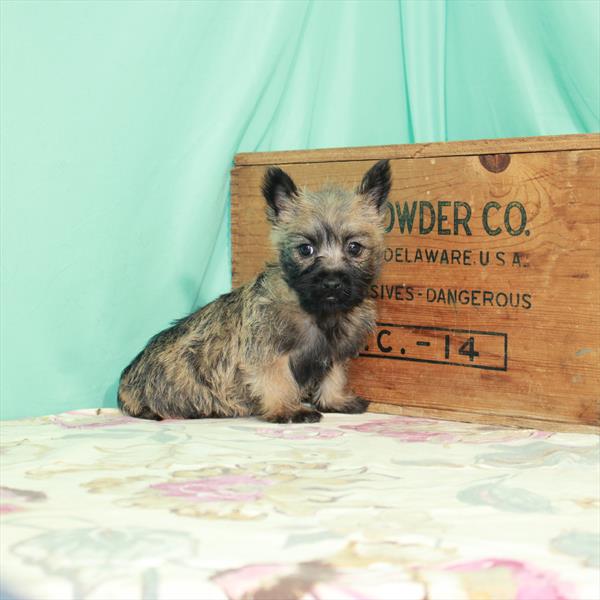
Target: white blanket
101, 506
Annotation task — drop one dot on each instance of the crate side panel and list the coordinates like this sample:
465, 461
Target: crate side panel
490, 302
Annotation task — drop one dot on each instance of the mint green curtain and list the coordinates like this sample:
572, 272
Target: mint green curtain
120, 121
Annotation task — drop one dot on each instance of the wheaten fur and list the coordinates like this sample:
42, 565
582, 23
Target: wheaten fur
276, 347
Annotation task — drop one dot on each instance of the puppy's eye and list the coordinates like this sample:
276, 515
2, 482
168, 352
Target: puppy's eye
306, 250
355, 249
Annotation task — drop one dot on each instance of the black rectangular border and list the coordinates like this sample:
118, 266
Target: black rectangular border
443, 362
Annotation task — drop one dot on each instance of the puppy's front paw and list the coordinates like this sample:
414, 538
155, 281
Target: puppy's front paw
306, 415
355, 406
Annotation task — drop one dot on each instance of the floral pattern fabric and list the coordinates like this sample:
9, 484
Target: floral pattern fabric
96, 505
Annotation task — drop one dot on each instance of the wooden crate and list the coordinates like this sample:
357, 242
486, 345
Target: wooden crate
489, 299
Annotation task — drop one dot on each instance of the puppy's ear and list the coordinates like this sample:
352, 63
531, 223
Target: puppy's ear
279, 191
376, 183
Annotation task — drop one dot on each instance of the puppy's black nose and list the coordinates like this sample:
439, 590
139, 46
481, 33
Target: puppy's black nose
332, 283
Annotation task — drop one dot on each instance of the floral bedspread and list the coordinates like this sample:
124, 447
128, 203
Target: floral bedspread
98, 505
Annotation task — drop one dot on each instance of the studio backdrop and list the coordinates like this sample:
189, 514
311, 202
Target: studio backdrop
119, 122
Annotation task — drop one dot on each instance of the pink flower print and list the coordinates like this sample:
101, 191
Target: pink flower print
422, 436
531, 583
91, 420
221, 488
405, 429
299, 433
409, 429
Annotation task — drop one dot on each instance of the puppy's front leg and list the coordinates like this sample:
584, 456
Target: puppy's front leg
332, 395
279, 394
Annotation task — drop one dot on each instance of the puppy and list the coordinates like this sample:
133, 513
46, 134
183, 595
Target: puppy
278, 346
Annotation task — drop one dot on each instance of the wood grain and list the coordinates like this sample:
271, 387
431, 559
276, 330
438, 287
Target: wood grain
484, 418
427, 150
551, 370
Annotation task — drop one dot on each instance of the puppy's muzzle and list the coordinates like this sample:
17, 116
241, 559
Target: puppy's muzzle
331, 283
334, 286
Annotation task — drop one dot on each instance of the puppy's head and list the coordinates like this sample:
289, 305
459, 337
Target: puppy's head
330, 242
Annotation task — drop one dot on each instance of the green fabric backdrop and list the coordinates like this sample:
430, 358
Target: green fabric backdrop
120, 121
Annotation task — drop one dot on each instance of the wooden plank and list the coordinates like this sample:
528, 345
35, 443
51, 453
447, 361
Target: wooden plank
429, 150
484, 418
494, 311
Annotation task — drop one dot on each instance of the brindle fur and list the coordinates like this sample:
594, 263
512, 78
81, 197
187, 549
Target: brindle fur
278, 346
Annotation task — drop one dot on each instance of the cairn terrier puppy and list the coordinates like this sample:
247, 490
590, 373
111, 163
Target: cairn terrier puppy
278, 346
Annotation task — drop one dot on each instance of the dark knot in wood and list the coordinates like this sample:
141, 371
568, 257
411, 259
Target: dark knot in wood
496, 163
